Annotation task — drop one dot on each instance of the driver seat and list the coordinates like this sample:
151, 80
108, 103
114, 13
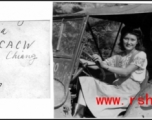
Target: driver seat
142, 86
144, 83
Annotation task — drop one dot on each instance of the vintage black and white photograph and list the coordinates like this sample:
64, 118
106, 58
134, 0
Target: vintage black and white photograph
102, 60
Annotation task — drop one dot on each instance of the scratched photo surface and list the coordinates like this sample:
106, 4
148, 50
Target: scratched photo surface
24, 59
66, 35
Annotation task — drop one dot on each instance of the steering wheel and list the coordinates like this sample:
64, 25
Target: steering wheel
101, 69
85, 66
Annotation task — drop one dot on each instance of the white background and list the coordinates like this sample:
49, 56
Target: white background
28, 108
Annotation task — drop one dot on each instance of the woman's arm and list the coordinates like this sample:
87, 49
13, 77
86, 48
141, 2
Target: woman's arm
139, 61
94, 65
121, 71
91, 64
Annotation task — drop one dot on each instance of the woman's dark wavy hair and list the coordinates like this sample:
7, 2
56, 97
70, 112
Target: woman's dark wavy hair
135, 31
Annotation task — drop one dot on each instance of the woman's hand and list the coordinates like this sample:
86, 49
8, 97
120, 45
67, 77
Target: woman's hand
87, 61
83, 61
90, 64
97, 59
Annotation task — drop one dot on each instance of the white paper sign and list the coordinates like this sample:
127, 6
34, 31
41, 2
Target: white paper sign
24, 59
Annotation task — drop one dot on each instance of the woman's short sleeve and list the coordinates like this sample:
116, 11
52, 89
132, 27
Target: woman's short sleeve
140, 60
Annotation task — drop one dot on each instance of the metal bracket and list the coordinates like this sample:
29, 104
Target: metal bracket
60, 35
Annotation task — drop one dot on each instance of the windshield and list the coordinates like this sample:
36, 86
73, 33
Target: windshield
66, 34
105, 33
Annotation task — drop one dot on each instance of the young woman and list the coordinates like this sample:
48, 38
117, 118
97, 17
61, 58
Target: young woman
130, 69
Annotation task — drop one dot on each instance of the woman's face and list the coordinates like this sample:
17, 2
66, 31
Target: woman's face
130, 41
